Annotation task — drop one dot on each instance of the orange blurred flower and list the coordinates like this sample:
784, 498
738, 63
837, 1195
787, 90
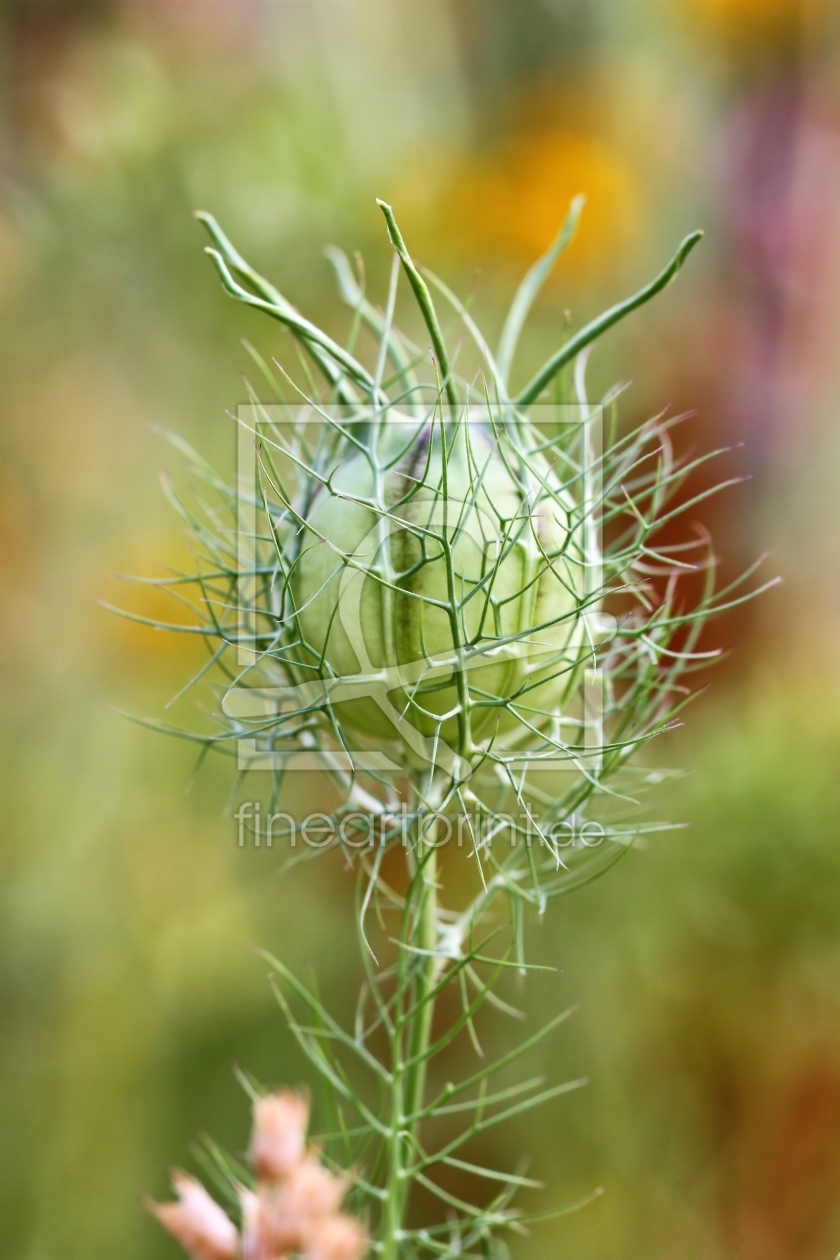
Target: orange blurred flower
766, 17
515, 201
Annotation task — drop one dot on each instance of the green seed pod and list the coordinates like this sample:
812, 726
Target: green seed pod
443, 564
406, 605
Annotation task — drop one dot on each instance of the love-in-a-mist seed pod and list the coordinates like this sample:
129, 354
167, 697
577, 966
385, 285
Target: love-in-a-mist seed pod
450, 562
407, 591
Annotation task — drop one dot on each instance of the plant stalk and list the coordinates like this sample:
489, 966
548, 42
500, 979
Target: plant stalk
412, 1035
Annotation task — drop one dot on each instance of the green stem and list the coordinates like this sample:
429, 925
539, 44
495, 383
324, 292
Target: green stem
411, 1039
427, 976
424, 301
588, 334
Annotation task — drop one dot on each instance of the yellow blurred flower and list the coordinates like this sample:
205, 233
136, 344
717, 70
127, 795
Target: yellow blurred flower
155, 603
781, 17
514, 202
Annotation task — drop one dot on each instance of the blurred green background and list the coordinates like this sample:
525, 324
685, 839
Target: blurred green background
707, 966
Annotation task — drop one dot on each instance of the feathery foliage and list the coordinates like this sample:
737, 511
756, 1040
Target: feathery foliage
454, 601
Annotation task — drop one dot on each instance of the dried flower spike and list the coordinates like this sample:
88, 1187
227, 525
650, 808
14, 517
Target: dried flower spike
294, 1209
278, 1141
289, 1218
197, 1221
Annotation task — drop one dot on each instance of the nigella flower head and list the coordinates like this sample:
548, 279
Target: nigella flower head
457, 600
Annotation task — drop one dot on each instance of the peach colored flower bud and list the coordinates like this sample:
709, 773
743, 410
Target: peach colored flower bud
336, 1238
278, 1141
281, 1218
197, 1221
313, 1191
258, 1242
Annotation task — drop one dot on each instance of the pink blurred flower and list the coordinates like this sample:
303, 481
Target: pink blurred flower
281, 1219
272, 1236
278, 1141
294, 1210
197, 1221
337, 1238
258, 1239
313, 1191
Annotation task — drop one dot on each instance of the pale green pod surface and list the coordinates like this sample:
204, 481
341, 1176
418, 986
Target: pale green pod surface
454, 569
